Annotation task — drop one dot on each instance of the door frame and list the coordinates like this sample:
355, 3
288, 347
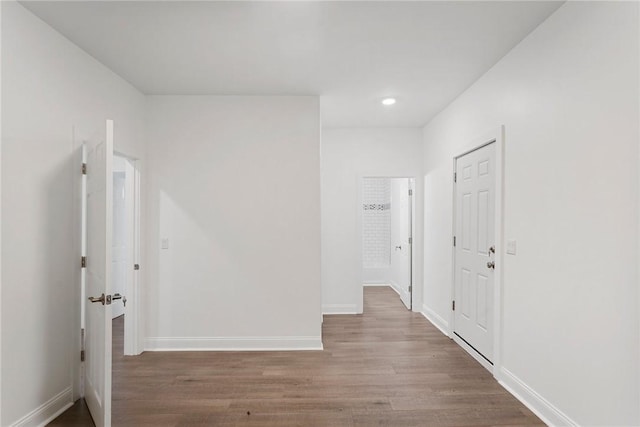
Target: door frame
132, 341
412, 226
494, 136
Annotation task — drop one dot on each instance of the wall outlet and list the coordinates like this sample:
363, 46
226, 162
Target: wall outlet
164, 243
511, 247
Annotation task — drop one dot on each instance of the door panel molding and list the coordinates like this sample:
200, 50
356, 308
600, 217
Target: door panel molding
494, 136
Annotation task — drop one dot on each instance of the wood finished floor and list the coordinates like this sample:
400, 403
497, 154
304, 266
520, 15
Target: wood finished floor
387, 367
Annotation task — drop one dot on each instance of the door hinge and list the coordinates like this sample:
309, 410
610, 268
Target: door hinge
136, 266
455, 177
83, 262
84, 169
453, 305
410, 192
410, 240
82, 355
410, 288
454, 240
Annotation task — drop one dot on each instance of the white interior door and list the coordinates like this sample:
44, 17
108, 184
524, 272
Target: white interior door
474, 250
97, 372
401, 238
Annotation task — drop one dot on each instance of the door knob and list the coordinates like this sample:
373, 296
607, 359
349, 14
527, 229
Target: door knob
398, 247
492, 250
491, 265
101, 299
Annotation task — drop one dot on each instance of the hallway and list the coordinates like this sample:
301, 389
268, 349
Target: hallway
386, 367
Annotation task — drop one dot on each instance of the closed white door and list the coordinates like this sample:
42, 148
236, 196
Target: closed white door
474, 250
99, 211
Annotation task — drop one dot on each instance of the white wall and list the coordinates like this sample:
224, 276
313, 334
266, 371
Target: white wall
347, 156
376, 230
48, 86
235, 188
568, 97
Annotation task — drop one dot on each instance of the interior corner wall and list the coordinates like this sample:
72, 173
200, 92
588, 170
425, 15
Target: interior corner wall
234, 191
568, 98
347, 156
49, 86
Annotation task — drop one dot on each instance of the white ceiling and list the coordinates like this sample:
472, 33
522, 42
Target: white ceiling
352, 54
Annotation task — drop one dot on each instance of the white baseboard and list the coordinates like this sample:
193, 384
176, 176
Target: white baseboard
339, 309
232, 343
548, 413
435, 320
48, 411
395, 287
376, 284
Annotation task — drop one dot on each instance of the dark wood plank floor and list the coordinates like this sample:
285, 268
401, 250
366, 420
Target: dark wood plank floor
387, 367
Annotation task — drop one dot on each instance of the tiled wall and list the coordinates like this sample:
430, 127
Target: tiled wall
376, 220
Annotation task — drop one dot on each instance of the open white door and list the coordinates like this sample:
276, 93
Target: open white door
401, 237
97, 370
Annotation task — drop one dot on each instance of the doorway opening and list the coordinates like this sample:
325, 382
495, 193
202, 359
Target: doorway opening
387, 227
125, 252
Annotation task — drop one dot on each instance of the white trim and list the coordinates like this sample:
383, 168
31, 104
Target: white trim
436, 320
47, 412
548, 413
342, 308
393, 285
233, 343
376, 284
494, 136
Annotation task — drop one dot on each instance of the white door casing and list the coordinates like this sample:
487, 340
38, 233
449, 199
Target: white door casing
119, 261
97, 372
474, 278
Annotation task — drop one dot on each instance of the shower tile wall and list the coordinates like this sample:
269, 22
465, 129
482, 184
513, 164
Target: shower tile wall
376, 199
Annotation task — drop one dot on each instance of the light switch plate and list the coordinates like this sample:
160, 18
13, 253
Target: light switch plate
164, 243
511, 247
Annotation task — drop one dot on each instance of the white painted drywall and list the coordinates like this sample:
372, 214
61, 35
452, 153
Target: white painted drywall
347, 156
234, 187
568, 97
48, 86
376, 230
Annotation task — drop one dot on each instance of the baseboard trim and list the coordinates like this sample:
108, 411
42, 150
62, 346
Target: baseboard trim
435, 320
232, 343
373, 284
48, 411
339, 309
548, 413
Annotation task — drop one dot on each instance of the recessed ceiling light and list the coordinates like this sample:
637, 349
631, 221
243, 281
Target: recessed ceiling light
388, 101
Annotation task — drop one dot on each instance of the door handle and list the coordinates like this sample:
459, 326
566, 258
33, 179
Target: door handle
101, 299
399, 247
492, 250
491, 265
